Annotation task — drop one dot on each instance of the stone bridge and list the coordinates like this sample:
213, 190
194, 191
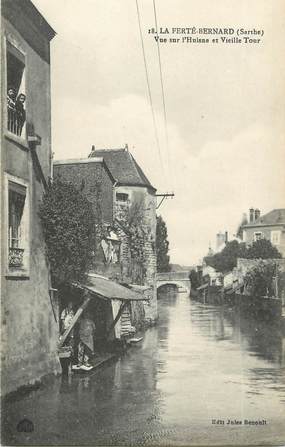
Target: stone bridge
179, 279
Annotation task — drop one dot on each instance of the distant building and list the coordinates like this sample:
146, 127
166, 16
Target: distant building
269, 226
210, 251
29, 327
211, 275
112, 180
221, 241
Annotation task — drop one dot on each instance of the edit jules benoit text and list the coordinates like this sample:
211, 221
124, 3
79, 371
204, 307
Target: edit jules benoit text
224, 422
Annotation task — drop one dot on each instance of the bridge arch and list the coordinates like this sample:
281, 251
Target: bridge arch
180, 279
184, 285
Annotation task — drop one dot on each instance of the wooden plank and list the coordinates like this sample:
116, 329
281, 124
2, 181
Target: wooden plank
73, 321
51, 297
123, 305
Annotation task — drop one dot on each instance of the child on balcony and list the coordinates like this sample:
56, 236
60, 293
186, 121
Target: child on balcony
11, 102
20, 113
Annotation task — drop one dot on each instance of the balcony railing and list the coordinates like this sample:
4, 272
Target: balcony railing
15, 121
16, 256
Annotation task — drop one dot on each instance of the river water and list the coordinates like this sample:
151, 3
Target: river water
199, 368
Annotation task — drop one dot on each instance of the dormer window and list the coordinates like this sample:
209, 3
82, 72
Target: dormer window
16, 98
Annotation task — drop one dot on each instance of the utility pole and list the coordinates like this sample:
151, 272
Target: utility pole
164, 196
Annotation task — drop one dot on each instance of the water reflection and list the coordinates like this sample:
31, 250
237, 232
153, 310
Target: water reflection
259, 338
199, 363
264, 338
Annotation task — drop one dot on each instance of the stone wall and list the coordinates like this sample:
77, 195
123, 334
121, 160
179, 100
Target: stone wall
244, 265
130, 269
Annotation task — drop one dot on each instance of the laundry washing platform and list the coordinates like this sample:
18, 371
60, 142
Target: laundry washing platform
134, 340
96, 363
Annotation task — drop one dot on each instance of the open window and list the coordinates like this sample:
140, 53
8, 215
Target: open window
18, 227
16, 110
122, 197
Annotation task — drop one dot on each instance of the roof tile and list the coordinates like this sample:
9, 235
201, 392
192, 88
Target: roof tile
274, 217
123, 166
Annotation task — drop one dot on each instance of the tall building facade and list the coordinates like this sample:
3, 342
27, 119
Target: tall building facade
29, 320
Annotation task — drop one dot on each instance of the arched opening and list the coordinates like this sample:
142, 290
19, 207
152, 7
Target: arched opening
180, 286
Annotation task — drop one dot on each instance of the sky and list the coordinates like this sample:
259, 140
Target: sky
224, 106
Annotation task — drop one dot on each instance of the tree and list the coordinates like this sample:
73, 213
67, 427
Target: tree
194, 279
263, 249
69, 230
226, 260
162, 246
261, 279
244, 221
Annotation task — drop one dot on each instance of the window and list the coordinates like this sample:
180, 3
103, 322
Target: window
258, 235
16, 113
122, 197
17, 225
17, 197
275, 237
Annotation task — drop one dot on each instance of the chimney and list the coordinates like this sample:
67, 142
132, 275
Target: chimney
256, 214
251, 215
220, 239
226, 237
93, 148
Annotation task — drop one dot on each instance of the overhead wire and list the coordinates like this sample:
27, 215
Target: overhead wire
149, 89
162, 92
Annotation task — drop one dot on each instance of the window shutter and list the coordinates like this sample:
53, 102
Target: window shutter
13, 50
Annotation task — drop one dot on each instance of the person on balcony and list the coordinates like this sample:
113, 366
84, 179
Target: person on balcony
11, 103
20, 113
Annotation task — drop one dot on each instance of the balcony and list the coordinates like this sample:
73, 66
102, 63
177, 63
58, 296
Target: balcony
15, 122
16, 257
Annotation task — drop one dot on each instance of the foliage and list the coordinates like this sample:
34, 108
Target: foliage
263, 249
226, 260
69, 230
194, 279
244, 221
138, 235
261, 279
162, 246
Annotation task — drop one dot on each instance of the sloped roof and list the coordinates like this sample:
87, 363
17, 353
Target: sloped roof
107, 289
11, 10
274, 217
123, 167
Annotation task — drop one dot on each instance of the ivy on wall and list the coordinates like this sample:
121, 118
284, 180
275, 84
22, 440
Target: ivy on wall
132, 223
68, 224
162, 245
